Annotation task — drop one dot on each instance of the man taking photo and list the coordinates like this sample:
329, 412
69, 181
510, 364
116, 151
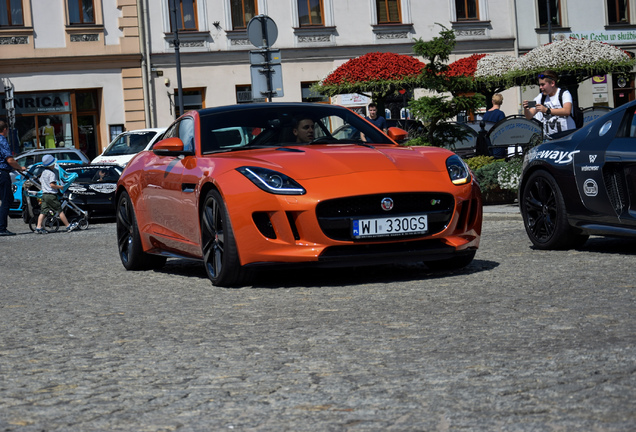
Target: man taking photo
552, 107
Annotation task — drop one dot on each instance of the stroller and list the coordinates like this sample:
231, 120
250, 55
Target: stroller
32, 198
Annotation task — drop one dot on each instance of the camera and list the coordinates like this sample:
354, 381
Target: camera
532, 104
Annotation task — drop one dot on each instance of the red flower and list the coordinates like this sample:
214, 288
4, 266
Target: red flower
375, 67
465, 66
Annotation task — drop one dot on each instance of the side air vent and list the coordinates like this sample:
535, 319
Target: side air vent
616, 187
264, 224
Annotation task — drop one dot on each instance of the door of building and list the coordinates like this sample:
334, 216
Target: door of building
87, 135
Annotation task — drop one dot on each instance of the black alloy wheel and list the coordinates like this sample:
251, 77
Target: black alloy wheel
128, 240
220, 254
545, 215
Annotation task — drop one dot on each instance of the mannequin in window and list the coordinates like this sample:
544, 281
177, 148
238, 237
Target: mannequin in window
49, 134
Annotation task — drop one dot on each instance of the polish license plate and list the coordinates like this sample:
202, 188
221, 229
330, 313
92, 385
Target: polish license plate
389, 227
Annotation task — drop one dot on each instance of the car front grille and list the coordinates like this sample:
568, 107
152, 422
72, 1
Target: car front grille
335, 216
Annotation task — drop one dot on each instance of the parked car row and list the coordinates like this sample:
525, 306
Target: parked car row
97, 199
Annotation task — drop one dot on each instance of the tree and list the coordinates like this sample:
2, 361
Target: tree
454, 91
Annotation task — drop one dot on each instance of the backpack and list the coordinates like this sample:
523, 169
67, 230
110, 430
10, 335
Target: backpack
576, 114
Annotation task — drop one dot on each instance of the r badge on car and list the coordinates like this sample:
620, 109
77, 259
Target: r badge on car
387, 204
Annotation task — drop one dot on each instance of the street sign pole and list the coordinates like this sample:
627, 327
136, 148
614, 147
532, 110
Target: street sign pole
268, 70
177, 55
262, 32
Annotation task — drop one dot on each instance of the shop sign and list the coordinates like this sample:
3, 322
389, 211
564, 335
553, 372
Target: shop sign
354, 99
600, 97
33, 103
614, 37
599, 84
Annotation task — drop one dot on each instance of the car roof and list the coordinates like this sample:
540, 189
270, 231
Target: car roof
266, 106
50, 150
144, 130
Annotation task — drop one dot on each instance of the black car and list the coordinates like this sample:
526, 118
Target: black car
582, 184
94, 188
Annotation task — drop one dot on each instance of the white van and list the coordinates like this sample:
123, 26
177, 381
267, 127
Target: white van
127, 144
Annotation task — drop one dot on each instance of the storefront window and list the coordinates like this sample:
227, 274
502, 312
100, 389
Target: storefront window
43, 120
44, 131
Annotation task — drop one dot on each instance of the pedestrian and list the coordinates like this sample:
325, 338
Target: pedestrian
7, 164
377, 120
50, 196
550, 107
495, 114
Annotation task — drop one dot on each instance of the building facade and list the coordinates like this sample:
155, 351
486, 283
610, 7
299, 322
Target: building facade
83, 70
75, 71
314, 37
609, 21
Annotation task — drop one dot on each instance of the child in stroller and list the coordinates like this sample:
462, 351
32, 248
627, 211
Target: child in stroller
53, 199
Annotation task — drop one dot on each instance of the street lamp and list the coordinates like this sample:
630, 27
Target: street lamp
173, 6
547, 2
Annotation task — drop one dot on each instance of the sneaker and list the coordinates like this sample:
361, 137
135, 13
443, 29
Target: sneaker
6, 233
41, 231
72, 227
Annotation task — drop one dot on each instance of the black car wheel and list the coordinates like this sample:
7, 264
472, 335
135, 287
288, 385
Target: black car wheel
130, 250
545, 216
218, 245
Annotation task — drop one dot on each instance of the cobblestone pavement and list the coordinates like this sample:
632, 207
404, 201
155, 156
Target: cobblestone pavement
521, 340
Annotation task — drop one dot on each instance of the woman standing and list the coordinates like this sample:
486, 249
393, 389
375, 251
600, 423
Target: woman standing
495, 114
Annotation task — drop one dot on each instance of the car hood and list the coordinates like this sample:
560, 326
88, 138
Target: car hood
318, 161
119, 160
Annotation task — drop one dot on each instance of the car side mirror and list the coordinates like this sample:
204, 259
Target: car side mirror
397, 134
169, 147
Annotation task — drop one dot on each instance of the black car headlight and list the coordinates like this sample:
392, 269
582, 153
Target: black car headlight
14, 188
458, 170
272, 181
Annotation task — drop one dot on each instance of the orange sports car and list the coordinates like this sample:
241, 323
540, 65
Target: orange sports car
245, 186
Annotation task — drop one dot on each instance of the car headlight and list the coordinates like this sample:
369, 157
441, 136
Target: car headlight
14, 188
272, 181
458, 170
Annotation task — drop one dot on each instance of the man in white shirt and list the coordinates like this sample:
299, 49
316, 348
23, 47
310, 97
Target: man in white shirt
551, 108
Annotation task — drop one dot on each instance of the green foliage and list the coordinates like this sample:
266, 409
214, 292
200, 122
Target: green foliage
417, 141
477, 162
496, 174
436, 110
487, 175
438, 49
447, 135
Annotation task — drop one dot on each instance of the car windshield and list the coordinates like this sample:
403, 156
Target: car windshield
284, 125
96, 173
129, 143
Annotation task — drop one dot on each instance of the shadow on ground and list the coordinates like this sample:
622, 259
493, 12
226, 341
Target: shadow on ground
320, 277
